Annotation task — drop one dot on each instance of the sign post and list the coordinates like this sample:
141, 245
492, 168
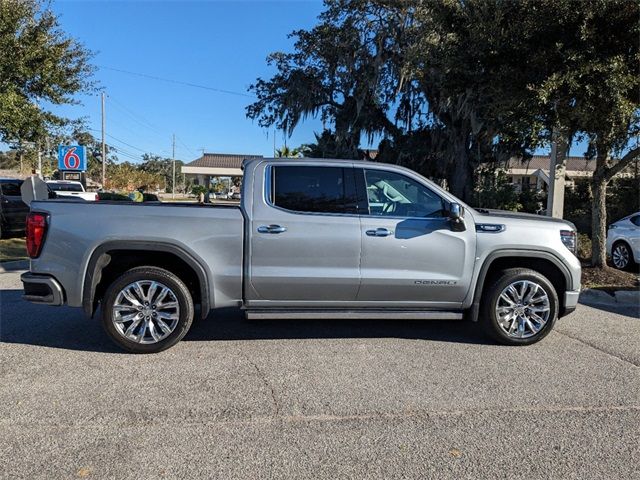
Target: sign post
72, 162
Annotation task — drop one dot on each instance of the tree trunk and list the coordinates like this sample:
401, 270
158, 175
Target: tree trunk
460, 176
599, 221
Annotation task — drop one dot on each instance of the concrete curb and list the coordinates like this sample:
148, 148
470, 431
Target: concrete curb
628, 297
14, 266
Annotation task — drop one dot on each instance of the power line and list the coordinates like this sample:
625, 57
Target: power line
178, 82
141, 120
185, 146
135, 117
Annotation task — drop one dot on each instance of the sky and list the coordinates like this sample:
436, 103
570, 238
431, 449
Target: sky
222, 45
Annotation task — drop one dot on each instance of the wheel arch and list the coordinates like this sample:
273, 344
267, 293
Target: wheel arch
543, 262
112, 258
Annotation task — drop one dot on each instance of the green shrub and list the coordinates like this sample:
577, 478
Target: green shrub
198, 189
584, 246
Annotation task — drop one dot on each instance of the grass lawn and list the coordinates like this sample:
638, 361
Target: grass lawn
12, 249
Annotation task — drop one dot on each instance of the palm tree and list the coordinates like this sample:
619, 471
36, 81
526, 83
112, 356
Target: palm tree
286, 152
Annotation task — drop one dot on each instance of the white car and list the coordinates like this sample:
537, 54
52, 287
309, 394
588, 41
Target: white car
623, 241
71, 189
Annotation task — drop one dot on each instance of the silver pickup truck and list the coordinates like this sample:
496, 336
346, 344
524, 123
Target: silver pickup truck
310, 239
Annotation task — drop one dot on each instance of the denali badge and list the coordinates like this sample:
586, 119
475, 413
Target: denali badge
447, 283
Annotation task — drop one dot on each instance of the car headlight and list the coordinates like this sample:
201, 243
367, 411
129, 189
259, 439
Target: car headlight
570, 240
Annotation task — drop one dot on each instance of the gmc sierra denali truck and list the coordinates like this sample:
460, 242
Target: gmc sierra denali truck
310, 239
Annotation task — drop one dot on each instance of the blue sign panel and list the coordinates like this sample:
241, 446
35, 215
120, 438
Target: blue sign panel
72, 157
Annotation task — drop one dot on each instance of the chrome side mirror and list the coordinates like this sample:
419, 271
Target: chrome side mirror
456, 217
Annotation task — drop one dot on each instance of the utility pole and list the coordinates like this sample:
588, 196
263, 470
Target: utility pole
173, 157
557, 172
49, 154
39, 160
104, 151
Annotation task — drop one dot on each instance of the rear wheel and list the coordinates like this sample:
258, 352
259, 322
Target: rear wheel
147, 310
621, 256
520, 307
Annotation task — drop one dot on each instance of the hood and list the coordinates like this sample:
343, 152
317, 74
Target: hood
484, 213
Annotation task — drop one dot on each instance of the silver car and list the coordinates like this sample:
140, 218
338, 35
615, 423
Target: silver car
623, 242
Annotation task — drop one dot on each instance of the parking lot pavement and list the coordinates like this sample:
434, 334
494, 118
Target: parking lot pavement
318, 399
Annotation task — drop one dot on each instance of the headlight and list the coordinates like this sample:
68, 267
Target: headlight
570, 240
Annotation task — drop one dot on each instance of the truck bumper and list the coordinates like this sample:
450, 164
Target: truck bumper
42, 289
570, 302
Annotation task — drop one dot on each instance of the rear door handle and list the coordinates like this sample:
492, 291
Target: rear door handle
271, 229
379, 232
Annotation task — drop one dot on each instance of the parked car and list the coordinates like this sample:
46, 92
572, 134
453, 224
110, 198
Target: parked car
13, 211
623, 242
69, 188
310, 239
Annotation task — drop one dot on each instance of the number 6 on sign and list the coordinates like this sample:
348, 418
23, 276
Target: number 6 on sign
72, 157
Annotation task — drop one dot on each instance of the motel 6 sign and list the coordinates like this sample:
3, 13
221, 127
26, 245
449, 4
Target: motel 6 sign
72, 157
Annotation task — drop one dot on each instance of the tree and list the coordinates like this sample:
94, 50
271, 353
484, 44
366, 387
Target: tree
39, 66
161, 167
343, 70
286, 152
426, 76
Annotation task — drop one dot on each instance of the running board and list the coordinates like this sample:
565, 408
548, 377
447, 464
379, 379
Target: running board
273, 314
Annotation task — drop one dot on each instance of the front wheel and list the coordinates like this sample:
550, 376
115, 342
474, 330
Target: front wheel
520, 307
147, 310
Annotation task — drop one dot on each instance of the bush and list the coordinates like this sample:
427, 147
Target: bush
584, 246
198, 189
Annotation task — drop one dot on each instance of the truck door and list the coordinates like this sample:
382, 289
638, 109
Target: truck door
14, 211
304, 239
410, 254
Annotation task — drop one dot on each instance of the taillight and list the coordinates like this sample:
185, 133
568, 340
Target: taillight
97, 197
36, 231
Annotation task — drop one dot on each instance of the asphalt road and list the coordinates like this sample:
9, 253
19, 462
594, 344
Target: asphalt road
318, 399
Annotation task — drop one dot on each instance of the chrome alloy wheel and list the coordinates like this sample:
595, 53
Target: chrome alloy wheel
145, 312
620, 256
523, 309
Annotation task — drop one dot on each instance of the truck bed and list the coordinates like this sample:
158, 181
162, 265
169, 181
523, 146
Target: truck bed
212, 234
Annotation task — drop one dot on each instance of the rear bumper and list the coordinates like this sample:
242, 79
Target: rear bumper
42, 289
570, 302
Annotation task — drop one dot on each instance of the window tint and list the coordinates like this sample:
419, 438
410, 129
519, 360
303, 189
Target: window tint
11, 188
314, 189
392, 194
65, 187
635, 220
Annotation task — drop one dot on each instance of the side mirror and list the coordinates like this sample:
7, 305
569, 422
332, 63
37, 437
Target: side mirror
456, 217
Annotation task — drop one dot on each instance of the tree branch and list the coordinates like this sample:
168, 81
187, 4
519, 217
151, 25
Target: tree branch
621, 164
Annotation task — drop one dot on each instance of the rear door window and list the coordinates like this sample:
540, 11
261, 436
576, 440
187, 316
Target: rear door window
65, 187
11, 188
309, 189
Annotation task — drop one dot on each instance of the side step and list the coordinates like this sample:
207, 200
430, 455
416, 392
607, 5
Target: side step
273, 314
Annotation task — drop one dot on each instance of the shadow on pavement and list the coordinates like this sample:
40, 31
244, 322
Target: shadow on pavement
67, 328
627, 310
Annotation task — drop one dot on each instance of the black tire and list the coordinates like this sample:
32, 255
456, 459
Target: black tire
622, 247
178, 289
491, 294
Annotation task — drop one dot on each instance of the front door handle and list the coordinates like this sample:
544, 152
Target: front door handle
271, 229
379, 232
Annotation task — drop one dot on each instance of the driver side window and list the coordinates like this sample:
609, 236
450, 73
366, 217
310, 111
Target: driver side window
395, 195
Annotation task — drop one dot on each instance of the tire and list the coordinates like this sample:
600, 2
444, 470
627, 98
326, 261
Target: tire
520, 323
621, 256
161, 322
